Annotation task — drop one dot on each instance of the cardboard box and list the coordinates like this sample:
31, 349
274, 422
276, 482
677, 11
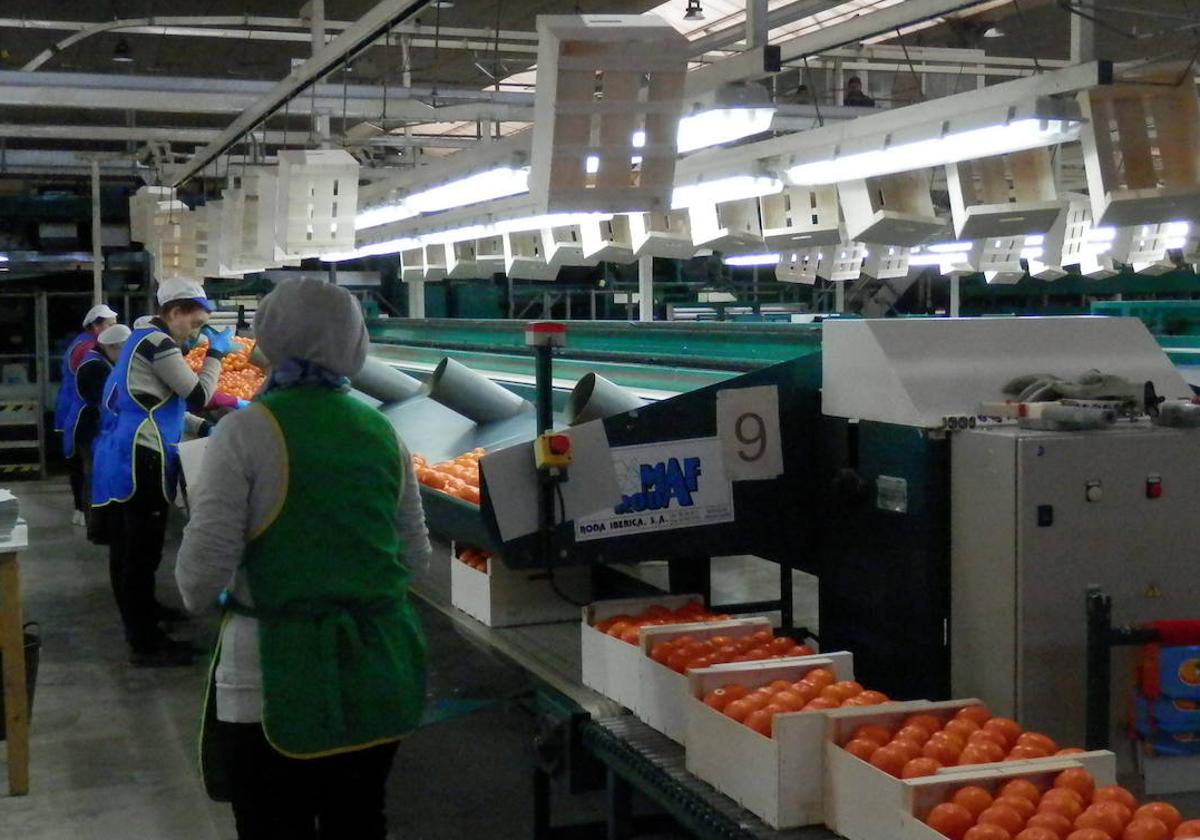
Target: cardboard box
611, 666
851, 783
897, 812
1154, 717
504, 597
664, 692
779, 779
1174, 672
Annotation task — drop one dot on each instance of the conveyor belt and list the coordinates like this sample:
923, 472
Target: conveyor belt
549, 652
654, 764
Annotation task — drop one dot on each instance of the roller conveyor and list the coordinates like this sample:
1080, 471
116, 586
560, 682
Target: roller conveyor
637, 756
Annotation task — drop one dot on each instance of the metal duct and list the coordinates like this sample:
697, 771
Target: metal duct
472, 394
384, 382
594, 398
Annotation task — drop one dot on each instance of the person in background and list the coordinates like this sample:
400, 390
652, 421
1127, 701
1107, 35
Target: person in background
135, 460
83, 423
69, 403
142, 321
320, 666
855, 96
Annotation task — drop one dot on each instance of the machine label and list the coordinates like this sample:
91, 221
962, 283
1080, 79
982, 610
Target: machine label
748, 424
664, 486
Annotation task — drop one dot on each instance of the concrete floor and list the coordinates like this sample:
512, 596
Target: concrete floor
113, 747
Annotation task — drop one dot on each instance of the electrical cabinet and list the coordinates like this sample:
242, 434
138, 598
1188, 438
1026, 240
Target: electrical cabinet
1036, 517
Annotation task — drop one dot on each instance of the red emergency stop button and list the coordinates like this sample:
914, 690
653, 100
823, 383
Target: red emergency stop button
559, 444
1154, 487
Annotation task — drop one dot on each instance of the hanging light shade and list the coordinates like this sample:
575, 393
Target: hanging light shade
693, 12
121, 52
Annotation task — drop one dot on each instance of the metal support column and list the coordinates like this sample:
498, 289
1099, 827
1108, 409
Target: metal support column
645, 288
1083, 39
955, 296
416, 299
97, 251
41, 345
839, 297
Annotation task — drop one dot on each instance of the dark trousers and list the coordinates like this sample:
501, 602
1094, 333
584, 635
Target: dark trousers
136, 530
75, 475
339, 797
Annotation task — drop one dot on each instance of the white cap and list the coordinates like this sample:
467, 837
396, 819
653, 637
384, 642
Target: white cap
116, 334
142, 322
182, 289
96, 313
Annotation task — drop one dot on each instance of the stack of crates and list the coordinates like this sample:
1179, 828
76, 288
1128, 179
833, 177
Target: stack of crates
1166, 717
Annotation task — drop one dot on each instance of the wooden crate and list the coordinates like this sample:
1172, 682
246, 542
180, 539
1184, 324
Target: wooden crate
143, 205
611, 666
608, 240
863, 803
504, 597
563, 245
886, 262
846, 261
664, 233
802, 266
1141, 147
166, 245
800, 217
1003, 195
731, 227
664, 692
601, 80
778, 779
316, 202
525, 258
436, 262
890, 210
248, 220
412, 264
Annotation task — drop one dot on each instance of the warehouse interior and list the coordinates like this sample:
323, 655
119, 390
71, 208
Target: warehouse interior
801, 397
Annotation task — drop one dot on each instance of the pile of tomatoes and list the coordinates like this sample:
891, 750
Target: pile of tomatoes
922, 743
1072, 808
625, 627
687, 653
239, 378
476, 558
818, 690
458, 477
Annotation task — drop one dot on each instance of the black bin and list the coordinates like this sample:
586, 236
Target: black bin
33, 650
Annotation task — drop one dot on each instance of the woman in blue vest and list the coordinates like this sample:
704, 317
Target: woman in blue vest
135, 460
303, 526
83, 418
68, 403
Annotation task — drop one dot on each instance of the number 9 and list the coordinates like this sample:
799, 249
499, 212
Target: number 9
757, 435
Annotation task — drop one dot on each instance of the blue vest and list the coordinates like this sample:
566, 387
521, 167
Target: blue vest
77, 406
68, 396
121, 416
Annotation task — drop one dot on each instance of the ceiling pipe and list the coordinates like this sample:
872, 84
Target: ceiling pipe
375, 23
227, 26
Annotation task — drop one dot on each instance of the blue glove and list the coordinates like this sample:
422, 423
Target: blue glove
219, 343
242, 403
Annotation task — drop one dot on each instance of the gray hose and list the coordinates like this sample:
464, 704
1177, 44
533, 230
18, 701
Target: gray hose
472, 394
594, 398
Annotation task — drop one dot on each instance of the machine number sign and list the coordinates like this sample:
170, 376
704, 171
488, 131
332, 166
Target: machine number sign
748, 426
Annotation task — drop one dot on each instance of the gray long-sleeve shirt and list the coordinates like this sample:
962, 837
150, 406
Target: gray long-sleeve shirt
242, 484
158, 370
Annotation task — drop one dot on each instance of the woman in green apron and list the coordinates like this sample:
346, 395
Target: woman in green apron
303, 525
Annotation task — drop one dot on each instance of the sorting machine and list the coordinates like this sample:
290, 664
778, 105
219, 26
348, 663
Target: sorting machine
953, 552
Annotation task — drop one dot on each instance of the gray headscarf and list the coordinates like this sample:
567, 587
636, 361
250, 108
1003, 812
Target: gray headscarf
310, 331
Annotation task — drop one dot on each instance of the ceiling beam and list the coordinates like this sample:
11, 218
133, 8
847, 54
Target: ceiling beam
868, 25
344, 47
164, 134
183, 95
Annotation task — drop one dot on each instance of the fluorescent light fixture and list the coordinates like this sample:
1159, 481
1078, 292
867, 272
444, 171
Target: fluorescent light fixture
591, 164
1032, 253
967, 138
1102, 234
3, 258
374, 249
721, 125
500, 182
752, 259
639, 139
547, 220
948, 247
1036, 239
734, 188
939, 260
446, 237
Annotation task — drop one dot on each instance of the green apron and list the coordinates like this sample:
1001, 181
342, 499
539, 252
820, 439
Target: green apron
343, 657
